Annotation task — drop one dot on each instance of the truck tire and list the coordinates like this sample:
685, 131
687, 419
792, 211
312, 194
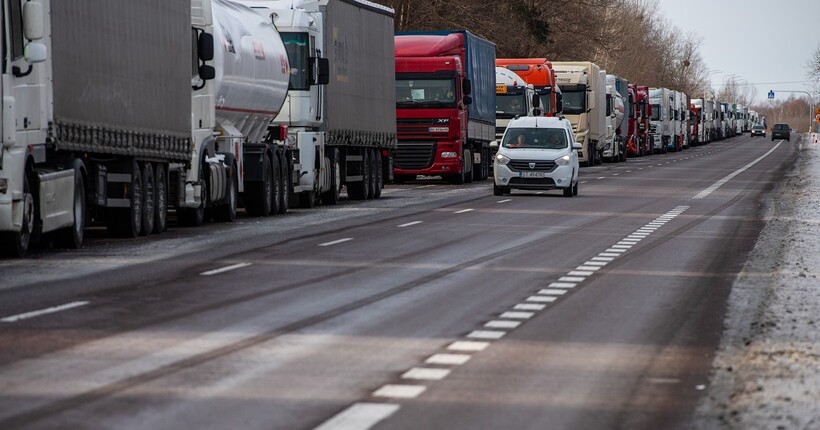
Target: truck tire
161, 180
128, 222
307, 199
478, 169
149, 192
72, 237
378, 173
259, 195
15, 244
285, 177
277, 188
331, 196
359, 190
226, 212
196, 217
468, 166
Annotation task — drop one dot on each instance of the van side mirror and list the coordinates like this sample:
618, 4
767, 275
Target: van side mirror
577, 146
321, 66
467, 88
33, 17
205, 46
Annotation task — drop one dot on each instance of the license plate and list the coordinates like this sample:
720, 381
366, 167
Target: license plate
532, 174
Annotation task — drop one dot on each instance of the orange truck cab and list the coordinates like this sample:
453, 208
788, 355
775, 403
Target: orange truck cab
539, 73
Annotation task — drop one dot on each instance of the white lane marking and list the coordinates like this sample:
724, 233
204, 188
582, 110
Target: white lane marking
575, 279
410, 223
486, 334
502, 324
426, 374
517, 315
336, 242
449, 359
529, 307
596, 263
540, 192
622, 246
637, 236
225, 269
628, 171
504, 201
463, 211
703, 194
360, 416
587, 268
540, 299
584, 182
601, 259
601, 177
551, 292
610, 250
37, 313
578, 273
466, 345
609, 254
615, 174
400, 391
562, 285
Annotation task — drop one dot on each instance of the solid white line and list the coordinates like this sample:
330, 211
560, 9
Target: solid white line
225, 269
729, 177
575, 279
467, 345
504, 201
562, 285
400, 391
360, 416
410, 223
464, 211
502, 324
529, 307
551, 292
541, 299
37, 313
517, 315
486, 334
426, 374
449, 359
336, 242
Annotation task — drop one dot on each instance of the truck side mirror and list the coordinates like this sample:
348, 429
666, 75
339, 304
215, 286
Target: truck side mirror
590, 102
467, 100
205, 47
467, 88
33, 17
536, 101
559, 104
206, 72
322, 68
35, 52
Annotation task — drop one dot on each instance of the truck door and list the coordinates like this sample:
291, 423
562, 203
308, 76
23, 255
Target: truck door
27, 81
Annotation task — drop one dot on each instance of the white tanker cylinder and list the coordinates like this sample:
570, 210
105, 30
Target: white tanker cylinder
252, 69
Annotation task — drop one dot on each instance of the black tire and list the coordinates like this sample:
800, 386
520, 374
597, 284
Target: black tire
226, 212
307, 199
161, 202
507, 191
568, 191
72, 237
575, 187
277, 186
378, 172
468, 164
259, 194
332, 196
285, 178
497, 191
149, 193
15, 244
195, 217
128, 222
359, 190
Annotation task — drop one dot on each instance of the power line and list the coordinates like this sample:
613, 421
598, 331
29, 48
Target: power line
746, 84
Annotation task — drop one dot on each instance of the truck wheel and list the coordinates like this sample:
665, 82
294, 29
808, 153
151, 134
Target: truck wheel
259, 195
285, 177
196, 217
277, 188
359, 190
478, 169
161, 180
378, 173
331, 196
15, 244
226, 212
468, 166
149, 192
72, 237
128, 222
307, 199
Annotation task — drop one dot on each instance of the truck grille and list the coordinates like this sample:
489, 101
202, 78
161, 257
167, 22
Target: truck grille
524, 166
415, 155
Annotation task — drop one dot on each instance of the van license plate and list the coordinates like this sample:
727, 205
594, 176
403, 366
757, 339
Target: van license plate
532, 174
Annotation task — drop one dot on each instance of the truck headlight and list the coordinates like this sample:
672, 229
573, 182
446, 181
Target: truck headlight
563, 161
449, 154
501, 159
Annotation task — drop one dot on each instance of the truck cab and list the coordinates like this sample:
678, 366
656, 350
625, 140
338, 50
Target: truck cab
540, 74
661, 123
583, 86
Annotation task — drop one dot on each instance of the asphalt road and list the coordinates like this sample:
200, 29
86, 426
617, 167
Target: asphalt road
434, 307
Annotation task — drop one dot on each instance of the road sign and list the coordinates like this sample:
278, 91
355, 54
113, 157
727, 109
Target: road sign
771, 94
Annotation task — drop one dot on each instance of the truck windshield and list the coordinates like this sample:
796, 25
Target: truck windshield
656, 112
425, 93
509, 105
298, 57
574, 102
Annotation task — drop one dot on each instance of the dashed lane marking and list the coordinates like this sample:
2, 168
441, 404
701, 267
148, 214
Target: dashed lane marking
410, 223
336, 242
486, 334
504, 201
426, 374
502, 324
517, 315
360, 416
466, 345
449, 359
46, 311
399, 391
464, 211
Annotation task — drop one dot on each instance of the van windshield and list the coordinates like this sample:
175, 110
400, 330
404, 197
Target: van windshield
535, 138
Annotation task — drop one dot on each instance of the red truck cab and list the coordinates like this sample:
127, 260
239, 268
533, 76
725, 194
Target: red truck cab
644, 139
539, 73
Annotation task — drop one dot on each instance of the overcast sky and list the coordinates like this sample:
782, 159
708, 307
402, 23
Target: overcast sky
764, 42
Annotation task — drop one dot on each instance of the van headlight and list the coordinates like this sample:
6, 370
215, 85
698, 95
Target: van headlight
501, 159
563, 161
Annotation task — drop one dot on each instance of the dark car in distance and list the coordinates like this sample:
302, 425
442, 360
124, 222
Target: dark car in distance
758, 130
781, 131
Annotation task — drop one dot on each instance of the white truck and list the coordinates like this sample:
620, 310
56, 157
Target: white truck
660, 125
341, 105
513, 97
583, 86
617, 90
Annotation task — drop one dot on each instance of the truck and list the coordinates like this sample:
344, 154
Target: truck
643, 138
83, 136
675, 144
333, 144
513, 97
698, 122
540, 73
661, 124
617, 103
583, 87
445, 105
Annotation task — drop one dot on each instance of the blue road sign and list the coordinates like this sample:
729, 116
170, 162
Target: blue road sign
771, 94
